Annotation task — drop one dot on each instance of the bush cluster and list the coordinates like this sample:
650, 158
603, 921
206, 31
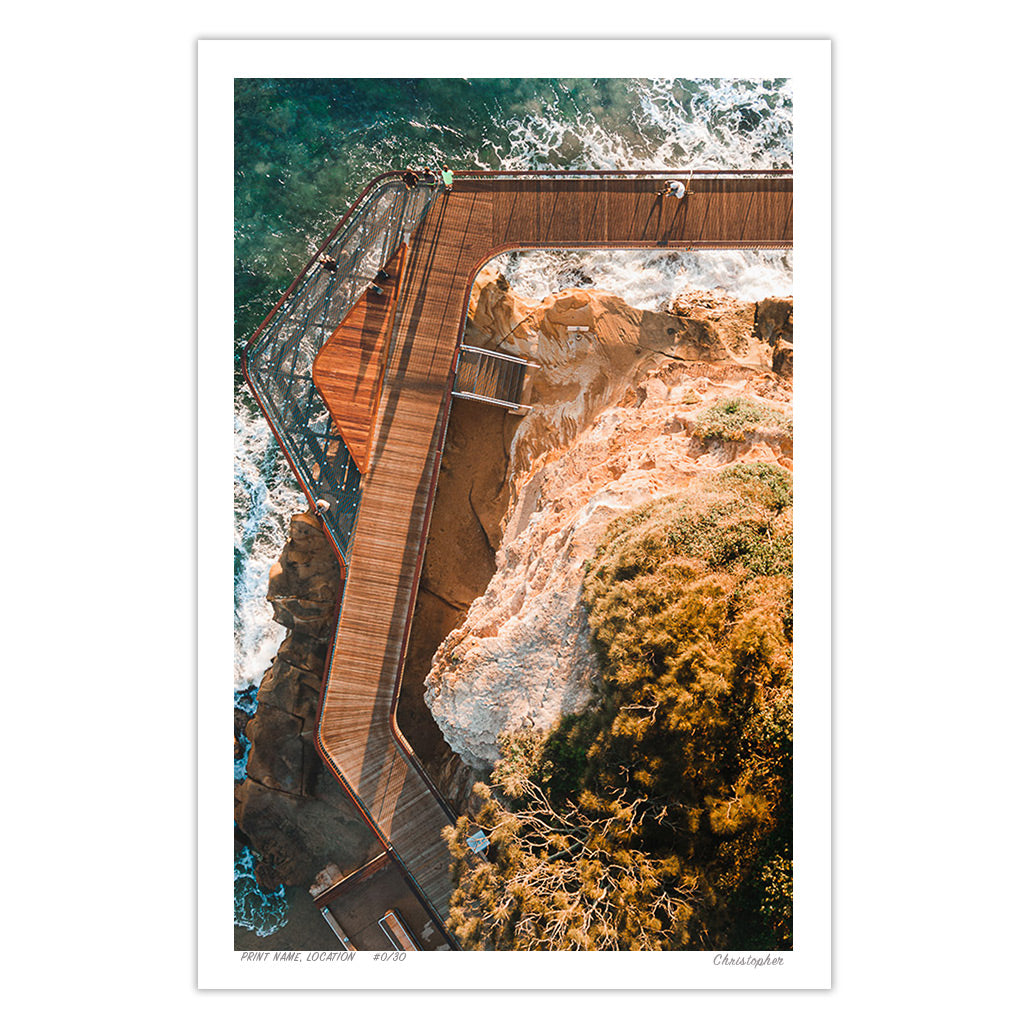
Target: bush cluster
731, 418
660, 818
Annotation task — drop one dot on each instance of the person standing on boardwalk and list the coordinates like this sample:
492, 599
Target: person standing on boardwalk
447, 178
410, 178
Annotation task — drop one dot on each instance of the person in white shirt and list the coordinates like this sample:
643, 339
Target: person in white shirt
674, 187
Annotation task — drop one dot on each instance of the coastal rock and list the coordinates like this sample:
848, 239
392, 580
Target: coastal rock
294, 840
289, 809
782, 361
615, 405
773, 319
303, 587
471, 499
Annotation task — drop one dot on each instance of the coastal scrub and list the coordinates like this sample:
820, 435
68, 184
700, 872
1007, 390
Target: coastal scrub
660, 817
732, 417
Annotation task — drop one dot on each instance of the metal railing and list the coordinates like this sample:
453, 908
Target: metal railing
656, 175
278, 360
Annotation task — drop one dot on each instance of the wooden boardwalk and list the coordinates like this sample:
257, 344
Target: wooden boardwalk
482, 216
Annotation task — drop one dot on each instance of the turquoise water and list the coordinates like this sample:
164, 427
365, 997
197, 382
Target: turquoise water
260, 912
305, 149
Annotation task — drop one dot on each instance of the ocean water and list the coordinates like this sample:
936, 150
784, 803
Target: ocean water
256, 910
304, 150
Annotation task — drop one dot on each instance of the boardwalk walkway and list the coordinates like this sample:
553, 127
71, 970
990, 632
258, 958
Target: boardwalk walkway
485, 214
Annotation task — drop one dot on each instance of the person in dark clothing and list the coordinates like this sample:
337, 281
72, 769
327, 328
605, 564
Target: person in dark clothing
410, 178
327, 263
428, 176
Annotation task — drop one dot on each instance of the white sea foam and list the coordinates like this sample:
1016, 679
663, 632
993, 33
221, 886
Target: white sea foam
714, 124
264, 497
724, 124
650, 280
256, 910
718, 124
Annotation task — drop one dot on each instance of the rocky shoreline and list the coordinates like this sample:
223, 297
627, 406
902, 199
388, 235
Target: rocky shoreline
289, 809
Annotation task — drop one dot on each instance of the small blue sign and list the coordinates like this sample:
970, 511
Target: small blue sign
477, 842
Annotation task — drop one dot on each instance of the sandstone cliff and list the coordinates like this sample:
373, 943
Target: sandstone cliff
628, 406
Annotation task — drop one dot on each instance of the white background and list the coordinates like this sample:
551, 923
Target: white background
100, 415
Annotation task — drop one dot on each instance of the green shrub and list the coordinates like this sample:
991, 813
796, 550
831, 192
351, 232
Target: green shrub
732, 417
766, 484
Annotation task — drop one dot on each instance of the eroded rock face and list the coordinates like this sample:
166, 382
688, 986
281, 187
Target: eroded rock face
303, 587
773, 319
290, 809
615, 406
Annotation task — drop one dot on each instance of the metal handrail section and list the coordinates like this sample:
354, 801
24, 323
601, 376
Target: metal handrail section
498, 354
278, 360
558, 174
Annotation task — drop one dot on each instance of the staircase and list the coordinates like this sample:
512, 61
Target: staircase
493, 377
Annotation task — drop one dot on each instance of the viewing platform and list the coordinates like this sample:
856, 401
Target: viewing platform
355, 372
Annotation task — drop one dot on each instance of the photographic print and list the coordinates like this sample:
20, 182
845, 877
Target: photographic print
513, 491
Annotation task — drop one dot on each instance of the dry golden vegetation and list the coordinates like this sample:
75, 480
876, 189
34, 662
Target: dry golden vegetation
660, 818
